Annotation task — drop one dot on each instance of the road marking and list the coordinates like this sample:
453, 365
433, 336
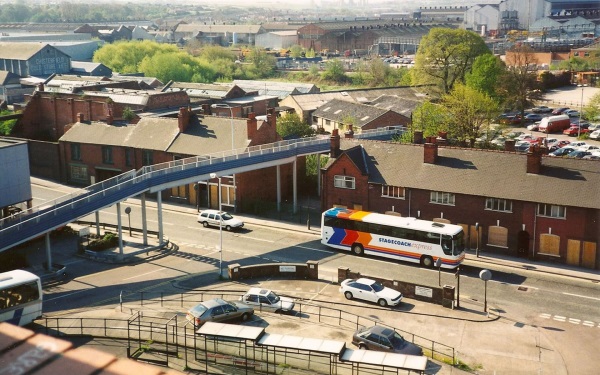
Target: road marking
319, 250
545, 316
587, 323
574, 321
578, 295
257, 239
560, 318
143, 274
66, 295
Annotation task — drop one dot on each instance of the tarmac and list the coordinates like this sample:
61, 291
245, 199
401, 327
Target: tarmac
485, 343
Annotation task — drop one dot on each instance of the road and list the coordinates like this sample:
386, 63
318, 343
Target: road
519, 292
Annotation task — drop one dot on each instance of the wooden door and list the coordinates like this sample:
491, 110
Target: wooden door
589, 255
573, 252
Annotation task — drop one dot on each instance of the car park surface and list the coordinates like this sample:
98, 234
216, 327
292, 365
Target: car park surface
213, 217
218, 310
370, 290
266, 299
384, 339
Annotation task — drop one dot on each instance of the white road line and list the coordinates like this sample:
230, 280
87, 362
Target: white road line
40, 199
560, 318
143, 274
545, 316
313, 249
257, 239
66, 295
578, 295
587, 323
574, 321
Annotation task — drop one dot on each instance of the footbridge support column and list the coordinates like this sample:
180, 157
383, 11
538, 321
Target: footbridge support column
144, 223
48, 252
159, 212
278, 177
119, 228
295, 183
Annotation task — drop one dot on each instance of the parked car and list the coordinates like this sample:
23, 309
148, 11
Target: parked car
575, 130
525, 137
591, 157
218, 310
577, 144
370, 290
571, 113
213, 217
534, 127
563, 151
593, 127
514, 134
267, 300
589, 148
595, 135
560, 110
560, 143
498, 141
384, 339
532, 117
578, 154
541, 109
522, 146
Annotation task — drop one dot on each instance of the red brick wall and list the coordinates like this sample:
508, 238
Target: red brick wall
340, 196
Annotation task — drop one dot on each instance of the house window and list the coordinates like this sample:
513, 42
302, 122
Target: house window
327, 122
392, 191
344, 182
550, 210
128, 157
107, 157
147, 157
75, 151
246, 111
495, 204
79, 173
315, 119
441, 198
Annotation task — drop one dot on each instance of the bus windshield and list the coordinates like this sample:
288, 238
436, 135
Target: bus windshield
458, 244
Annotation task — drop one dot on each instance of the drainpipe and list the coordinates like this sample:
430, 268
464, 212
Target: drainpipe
534, 231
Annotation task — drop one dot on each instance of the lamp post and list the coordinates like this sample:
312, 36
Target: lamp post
128, 212
485, 275
580, 110
220, 105
214, 175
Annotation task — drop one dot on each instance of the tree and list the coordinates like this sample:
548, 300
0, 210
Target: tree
334, 71
7, 126
261, 63
380, 72
290, 126
125, 57
519, 85
486, 72
296, 51
431, 118
445, 56
591, 110
469, 112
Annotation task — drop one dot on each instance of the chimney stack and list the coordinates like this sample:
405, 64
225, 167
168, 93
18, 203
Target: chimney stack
40, 87
350, 132
206, 109
418, 137
251, 125
430, 152
183, 119
509, 145
334, 150
534, 160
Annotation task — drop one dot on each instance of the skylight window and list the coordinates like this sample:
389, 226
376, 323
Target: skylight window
364, 118
338, 111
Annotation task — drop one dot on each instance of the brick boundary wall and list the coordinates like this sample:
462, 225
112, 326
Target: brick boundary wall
309, 271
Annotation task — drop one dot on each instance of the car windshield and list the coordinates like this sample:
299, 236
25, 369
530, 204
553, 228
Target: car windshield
226, 216
397, 340
272, 297
198, 310
377, 286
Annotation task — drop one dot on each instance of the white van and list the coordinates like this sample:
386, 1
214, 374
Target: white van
554, 124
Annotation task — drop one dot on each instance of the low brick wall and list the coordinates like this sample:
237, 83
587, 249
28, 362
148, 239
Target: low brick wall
408, 290
309, 271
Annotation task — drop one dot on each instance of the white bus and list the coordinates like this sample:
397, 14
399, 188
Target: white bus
395, 237
20, 297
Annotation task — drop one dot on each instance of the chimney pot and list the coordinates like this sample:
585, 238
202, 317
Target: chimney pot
350, 132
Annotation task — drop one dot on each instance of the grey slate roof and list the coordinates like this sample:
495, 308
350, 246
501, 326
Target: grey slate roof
397, 104
197, 27
339, 110
497, 174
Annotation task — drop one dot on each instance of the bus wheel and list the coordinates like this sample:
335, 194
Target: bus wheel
357, 249
427, 261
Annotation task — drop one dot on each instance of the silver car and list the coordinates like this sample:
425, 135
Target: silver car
218, 310
267, 300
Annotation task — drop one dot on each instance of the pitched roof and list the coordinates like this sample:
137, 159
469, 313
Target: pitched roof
397, 104
497, 174
310, 102
7, 78
339, 110
197, 27
20, 50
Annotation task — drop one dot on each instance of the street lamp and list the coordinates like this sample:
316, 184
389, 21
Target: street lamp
220, 105
214, 175
485, 275
580, 110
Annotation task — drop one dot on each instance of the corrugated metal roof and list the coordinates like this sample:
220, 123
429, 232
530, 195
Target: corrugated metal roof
496, 174
198, 27
20, 51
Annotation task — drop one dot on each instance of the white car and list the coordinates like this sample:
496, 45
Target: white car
595, 135
588, 148
217, 218
265, 299
370, 290
550, 142
577, 144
